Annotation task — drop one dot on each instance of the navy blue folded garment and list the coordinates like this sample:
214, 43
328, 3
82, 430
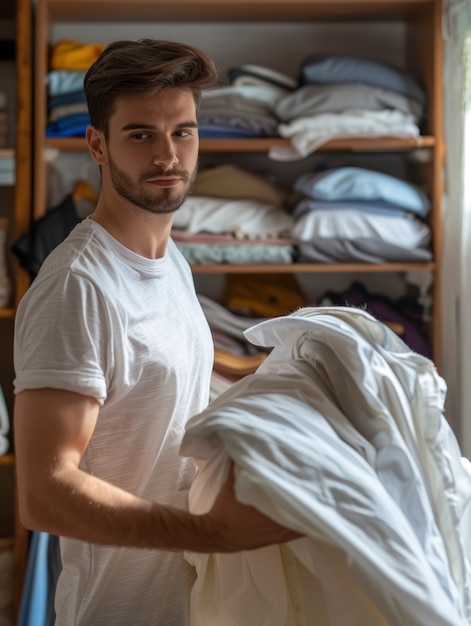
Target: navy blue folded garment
213, 131
69, 126
74, 97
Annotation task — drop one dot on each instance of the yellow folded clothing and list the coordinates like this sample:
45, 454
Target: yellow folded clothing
72, 55
263, 295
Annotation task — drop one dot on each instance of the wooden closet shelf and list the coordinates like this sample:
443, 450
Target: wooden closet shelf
383, 144
7, 313
312, 268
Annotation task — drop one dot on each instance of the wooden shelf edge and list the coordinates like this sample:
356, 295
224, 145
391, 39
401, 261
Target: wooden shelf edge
313, 268
7, 459
7, 313
383, 144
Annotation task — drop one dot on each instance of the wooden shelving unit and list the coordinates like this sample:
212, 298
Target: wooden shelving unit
421, 53
417, 21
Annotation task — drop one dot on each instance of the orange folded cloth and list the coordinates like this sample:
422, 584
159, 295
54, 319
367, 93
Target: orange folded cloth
72, 55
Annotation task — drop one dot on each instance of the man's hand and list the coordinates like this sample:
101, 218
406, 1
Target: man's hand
234, 527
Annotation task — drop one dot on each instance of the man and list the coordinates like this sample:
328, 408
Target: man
113, 355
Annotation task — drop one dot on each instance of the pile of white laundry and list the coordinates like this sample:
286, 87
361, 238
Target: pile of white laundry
340, 434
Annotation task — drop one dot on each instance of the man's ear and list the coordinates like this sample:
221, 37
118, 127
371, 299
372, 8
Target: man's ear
96, 144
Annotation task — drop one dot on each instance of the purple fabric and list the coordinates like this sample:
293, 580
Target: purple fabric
405, 311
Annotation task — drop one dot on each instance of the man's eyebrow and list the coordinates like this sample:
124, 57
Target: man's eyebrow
136, 126
191, 124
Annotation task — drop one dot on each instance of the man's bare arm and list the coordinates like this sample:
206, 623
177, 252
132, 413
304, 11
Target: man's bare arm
52, 430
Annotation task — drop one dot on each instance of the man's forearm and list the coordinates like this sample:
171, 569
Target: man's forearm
77, 505
81, 506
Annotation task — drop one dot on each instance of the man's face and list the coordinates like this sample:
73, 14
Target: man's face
152, 149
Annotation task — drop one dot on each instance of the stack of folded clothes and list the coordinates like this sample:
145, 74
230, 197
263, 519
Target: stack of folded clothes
351, 214
233, 216
67, 108
245, 107
345, 96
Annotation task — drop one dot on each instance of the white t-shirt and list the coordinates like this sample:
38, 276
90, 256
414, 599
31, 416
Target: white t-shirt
105, 322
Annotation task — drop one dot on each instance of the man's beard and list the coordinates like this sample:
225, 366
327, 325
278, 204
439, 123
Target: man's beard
136, 193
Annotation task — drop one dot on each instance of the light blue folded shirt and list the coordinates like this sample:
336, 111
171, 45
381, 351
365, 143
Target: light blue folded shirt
360, 184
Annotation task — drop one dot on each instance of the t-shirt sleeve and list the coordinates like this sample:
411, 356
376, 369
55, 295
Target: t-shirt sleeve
63, 338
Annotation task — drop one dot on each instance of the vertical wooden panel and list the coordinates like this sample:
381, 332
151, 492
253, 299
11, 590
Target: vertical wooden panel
23, 199
424, 53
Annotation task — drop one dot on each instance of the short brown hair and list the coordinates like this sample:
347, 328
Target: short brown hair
144, 67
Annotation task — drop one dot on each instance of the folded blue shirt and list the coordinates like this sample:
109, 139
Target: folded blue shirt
69, 126
325, 69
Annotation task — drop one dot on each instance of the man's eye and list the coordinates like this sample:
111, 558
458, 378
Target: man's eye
140, 136
182, 133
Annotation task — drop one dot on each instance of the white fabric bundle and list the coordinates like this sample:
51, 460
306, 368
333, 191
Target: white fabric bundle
340, 435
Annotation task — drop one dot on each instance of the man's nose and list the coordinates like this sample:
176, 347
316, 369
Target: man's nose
165, 154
